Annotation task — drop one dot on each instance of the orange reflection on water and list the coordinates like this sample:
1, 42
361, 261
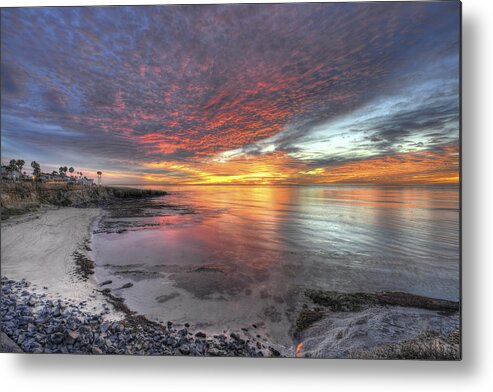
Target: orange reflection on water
239, 223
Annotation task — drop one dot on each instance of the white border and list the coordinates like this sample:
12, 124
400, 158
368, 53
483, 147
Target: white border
83, 373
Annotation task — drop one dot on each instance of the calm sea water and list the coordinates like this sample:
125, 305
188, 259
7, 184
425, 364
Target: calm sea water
224, 257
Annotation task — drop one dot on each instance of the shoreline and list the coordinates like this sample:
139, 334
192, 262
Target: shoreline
41, 248
62, 285
65, 294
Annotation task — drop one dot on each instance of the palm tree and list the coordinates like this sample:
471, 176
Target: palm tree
63, 170
100, 173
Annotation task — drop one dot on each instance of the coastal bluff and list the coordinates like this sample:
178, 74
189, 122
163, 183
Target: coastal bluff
16, 198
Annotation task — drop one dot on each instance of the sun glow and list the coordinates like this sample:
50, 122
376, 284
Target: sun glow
433, 167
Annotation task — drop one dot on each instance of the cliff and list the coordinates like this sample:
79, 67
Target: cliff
16, 198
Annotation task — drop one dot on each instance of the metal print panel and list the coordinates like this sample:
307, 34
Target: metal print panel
255, 180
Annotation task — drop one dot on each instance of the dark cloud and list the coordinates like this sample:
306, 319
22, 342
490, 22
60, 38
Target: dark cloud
55, 101
11, 80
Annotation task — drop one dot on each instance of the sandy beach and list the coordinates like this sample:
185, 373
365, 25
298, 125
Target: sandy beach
39, 247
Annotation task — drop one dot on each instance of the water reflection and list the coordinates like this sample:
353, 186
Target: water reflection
243, 252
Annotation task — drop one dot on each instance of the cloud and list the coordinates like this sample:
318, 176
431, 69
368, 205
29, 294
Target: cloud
195, 83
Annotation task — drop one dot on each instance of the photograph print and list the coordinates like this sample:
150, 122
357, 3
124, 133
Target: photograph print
232, 180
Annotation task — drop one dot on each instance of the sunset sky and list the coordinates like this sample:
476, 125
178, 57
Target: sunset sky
260, 94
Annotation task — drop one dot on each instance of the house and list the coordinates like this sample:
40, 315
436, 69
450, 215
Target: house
5, 173
86, 181
52, 178
26, 177
13, 175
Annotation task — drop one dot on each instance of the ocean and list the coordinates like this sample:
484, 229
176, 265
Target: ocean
226, 257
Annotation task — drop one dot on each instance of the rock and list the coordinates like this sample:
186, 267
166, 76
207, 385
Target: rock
74, 330
185, 349
57, 337
71, 337
214, 352
96, 350
106, 282
6, 290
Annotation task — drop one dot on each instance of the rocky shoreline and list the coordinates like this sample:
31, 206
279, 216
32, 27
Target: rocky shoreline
381, 325
72, 314
20, 198
90, 320
38, 324
34, 323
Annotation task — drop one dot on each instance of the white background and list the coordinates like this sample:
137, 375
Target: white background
473, 373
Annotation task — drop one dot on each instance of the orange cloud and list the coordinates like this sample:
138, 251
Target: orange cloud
425, 167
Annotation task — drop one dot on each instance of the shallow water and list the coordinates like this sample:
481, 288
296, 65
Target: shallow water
226, 257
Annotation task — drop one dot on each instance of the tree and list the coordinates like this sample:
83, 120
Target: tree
100, 173
12, 167
20, 164
36, 169
62, 170
71, 169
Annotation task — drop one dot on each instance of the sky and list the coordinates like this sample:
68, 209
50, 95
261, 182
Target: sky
235, 94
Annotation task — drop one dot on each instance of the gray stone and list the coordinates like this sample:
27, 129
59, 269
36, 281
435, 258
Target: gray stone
185, 349
71, 337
